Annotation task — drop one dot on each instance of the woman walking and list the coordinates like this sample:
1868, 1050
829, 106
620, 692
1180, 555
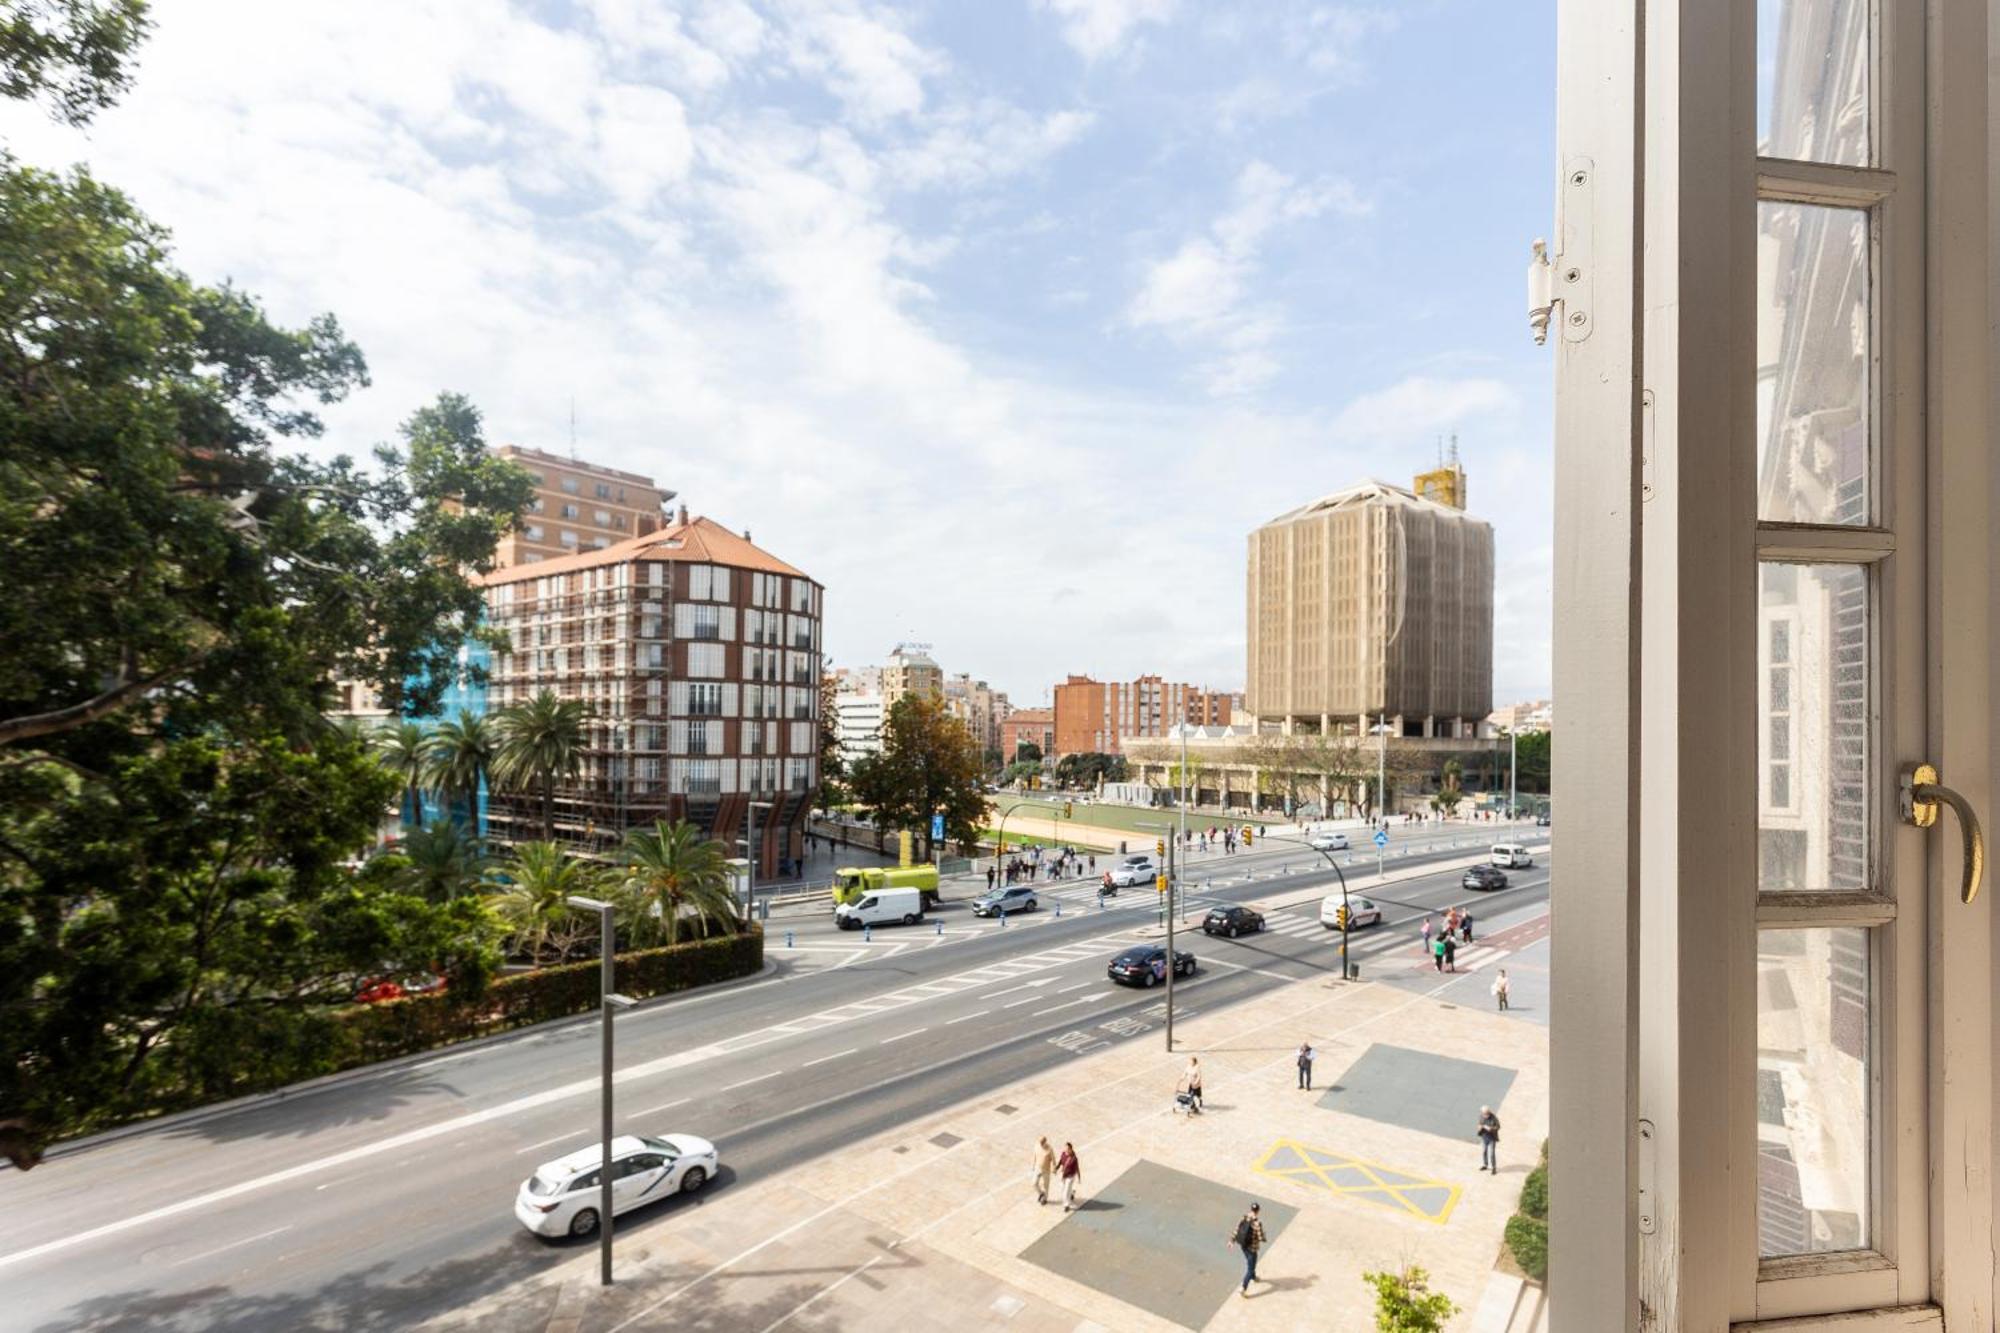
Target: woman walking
1071, 1172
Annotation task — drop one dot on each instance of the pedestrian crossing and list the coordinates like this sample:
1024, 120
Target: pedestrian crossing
1384, 943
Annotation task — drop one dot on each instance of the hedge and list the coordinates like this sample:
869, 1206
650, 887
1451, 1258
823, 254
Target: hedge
1528, 1239
368, 1033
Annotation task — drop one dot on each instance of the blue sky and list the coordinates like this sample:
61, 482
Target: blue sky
1006, 319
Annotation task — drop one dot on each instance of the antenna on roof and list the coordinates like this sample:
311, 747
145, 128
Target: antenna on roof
1454, 448
572, 428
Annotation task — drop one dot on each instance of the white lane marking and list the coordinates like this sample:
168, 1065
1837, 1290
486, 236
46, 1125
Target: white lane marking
899, 1036
1016, 1004
1260, 971
663, 1106
963, 1017
1087, 999
824, 1058
573, 1134
1026, 985
823, 1291
234, 1244
731, 1087
1067, 989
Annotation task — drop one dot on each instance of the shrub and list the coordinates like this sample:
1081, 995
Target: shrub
1528, 1241
1535, 1193
1404, 1302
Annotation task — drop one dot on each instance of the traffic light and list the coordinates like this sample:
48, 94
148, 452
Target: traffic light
1069, 810
1160, 847
1247, 835
1161, 883
1340, 918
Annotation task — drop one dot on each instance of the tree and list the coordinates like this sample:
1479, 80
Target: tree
461, 758
1404, 1302
531, 898
671, 869
832, 768
929, 765
74, 54
406, 752
1533, 752
1027, 752
438, 863
537, 742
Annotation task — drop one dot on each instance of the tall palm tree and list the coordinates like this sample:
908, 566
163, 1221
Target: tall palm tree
673, 868
406, 751
533, 886
540, 741
461, 755
443, 861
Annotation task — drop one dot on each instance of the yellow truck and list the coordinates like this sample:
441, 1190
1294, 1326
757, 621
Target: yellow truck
849, 884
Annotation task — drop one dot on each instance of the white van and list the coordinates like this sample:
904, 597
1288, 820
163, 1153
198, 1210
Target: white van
881, 907
1511, 854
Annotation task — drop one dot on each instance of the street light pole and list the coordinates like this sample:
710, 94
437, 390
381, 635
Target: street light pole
1346, 915
609, 1000
750, 855
1170, 879
1381, 784
1513, 768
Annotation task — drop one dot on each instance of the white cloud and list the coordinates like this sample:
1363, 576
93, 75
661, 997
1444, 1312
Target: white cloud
1420, 406
865, 60
1098, 28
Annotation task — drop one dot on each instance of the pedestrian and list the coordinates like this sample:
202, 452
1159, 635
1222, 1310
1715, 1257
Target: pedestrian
1045, 1165
1489, 1141
1306, 1065
1451, 922
989, 879
1465, 925
1450, 954
1093, 863
1193, 1081
1500, 989
1249, 1238
1430, 929
1071, 1172
1437, 953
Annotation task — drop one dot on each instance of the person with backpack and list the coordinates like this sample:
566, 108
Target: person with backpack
1465, 925
1306, 1065
1249, 1238
1071, 1172
1489, 1141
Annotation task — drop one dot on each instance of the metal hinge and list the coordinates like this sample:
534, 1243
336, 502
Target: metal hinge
1565, 280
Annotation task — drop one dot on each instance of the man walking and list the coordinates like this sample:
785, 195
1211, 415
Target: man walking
1191, 1081
1450, 954
1071, 1172
1500, 990
1306, 1065
1489, 1140
989, 879
1465, 925
1045, 1165
1249, 1238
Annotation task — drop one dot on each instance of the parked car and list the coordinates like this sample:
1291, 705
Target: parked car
1484, 878
1541, 821
1327, 842
377, 989
1362, 912
880, 908
1139, 869
1014, 898
1232, 921
562, 1198
1146, 965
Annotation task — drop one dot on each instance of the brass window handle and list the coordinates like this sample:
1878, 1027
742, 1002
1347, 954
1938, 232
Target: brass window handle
1922, 794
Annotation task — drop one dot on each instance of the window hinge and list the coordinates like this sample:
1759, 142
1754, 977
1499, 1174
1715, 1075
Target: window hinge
1564, 280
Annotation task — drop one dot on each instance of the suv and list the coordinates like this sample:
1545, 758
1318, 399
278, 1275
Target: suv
1014, 898
1484, 878
1139, 869
1232, 921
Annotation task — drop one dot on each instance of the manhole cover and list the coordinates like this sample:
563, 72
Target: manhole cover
1006, 1108
946, 1140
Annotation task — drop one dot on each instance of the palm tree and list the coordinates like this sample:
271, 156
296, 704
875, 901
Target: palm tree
442, 861
531, 897
671, 867
461, 755
406, 752
540, 741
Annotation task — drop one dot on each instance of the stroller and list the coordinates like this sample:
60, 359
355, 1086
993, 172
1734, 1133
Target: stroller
1186, 1102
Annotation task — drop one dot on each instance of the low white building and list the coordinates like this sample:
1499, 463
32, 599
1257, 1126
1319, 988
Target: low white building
858, 723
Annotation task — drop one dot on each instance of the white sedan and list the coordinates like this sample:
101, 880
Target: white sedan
1327, 842
1364, 912
563, 1196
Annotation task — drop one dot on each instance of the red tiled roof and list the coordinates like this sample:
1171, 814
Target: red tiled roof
698, 541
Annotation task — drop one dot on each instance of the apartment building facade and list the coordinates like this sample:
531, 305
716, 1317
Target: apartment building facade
697, 655
1035, 726
578, 507
910, 670
981, 707
1093, 716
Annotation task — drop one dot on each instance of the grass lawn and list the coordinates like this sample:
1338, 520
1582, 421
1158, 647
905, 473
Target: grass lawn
1104, 815
1015, 841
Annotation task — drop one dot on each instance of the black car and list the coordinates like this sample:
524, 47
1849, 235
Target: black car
1484, 878
1232, 921
1541, 821
1146, 965
1016, 898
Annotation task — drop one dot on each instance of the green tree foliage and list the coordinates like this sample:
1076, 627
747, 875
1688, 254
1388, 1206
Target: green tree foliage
832, 768
1405, 1303
74, 55
438, 862
405, 750
461, 754
1087, 770
1027, 752
1532, 752
530, 897
929, 765
671, 868
537, 744
1021, 772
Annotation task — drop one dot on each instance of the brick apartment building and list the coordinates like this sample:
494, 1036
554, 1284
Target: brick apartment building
577, 507
1099, 716
1037, 726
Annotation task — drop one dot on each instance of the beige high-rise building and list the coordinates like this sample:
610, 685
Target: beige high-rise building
578, 507
910, 670
977, 704
1372, 601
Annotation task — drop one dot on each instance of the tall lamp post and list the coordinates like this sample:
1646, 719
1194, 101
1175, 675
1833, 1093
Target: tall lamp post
1000, 836
1346, 916
750, 854
610, 1000
1169, 882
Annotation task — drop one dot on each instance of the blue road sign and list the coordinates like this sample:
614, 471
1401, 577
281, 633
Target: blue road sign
937, 827
1381, 837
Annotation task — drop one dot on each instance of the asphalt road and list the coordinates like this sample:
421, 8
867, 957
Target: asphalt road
386, 1198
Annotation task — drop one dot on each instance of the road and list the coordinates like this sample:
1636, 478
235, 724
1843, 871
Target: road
384, 1199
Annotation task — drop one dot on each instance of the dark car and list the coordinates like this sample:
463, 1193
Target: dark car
1232, 921
1016, 898
1484, 878
1146, 965
1541, 821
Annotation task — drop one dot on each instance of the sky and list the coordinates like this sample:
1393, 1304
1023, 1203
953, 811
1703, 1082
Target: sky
1006, 320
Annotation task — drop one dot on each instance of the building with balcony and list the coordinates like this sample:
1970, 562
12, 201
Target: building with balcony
1035, 726
578, 506
1093, 716
910, 670
981, 707
697, 655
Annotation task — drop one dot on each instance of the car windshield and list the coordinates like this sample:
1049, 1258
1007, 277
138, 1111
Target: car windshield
662, 1146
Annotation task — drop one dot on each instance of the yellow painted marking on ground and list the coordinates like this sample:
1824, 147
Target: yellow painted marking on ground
1377, 1184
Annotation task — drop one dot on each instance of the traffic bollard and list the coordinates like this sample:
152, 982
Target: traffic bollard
788, 939
940, 926
1003, 917
1058, 907
867, 934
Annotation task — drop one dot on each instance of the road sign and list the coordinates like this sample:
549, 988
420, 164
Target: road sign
1381, 837
937, 827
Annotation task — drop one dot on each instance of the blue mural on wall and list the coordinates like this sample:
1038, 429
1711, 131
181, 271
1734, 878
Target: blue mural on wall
464, 693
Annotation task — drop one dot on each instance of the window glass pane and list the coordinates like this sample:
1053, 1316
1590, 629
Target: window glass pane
1813, 1166
1814, 423
1813, 821
1812, 80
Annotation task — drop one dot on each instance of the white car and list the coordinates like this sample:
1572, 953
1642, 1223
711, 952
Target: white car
1327, 842
1133, 870
1365, 913
563, 1196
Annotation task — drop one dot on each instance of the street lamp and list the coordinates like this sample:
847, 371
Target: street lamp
1000, 836
1172, 876
611, 1000
750, 854
1346, 916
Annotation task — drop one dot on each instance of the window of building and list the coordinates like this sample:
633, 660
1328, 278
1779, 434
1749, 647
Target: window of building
601, 517
705, 659
569, 538
603, 490
569, 485
534, 532
704, 700
569, 511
